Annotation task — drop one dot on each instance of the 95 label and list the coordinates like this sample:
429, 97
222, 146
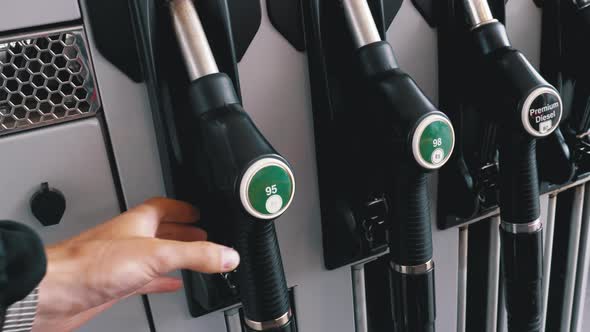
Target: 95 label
267, 188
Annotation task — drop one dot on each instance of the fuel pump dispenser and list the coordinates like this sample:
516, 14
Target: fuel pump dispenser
425, 139
255, 183
517, 107
534, 110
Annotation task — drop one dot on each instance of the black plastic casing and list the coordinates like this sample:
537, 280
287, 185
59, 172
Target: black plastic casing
406, 104
414, 301
230, 144
522, 268
410, 223
585, 15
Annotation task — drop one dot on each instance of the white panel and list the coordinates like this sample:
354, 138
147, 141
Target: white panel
523, 22
131, 128
18, 14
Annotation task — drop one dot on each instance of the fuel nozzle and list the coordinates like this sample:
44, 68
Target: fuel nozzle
525, 99
255, 182
527, 108
428, 133
427, 140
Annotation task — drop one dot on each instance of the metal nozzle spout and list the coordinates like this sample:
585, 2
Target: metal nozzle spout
192, 39
479, 12
361, 22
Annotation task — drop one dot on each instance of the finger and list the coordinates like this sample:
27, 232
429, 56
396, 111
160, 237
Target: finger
205, 257
143, 220
180, 232
169, 210
161, 285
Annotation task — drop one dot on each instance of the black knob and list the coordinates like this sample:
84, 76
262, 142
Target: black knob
48, 205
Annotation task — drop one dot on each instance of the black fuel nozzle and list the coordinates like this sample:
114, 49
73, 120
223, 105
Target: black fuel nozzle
425, 143
528, 108
256, 183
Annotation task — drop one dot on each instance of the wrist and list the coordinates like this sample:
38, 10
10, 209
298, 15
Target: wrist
21, 315
57, 293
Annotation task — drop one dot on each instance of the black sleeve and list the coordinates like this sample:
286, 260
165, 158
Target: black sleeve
22, 263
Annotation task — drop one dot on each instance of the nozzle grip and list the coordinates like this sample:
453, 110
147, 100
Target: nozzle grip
263, 289
519, 181
411, 230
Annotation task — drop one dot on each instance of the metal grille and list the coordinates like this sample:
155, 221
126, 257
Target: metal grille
45, 78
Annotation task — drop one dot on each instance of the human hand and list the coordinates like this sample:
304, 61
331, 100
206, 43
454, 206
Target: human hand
128, 255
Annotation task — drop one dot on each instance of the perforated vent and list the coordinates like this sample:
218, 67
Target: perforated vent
45, 78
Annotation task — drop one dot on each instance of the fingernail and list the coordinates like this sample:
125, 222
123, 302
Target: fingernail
230, 259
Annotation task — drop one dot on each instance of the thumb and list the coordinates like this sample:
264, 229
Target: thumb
204, 257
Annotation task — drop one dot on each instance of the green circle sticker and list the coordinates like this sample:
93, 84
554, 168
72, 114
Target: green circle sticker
436, 144
270, 190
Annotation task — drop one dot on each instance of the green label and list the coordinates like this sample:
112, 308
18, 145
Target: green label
270, 189
436, 143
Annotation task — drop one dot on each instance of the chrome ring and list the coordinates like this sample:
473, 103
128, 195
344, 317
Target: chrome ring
483, 23
271, 324
528, 228
414, 269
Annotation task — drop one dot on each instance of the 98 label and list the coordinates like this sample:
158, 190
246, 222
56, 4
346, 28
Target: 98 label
433, 142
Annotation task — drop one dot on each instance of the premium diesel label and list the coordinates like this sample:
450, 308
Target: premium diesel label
434, 141
542, 112
267, 188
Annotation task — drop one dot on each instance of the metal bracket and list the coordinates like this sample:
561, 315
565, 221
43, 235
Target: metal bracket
286, 17
427, 9
390, 10
246, 17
